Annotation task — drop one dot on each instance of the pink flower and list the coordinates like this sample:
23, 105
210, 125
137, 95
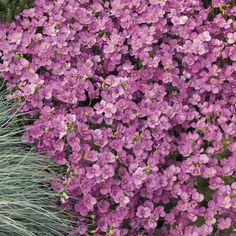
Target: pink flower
36, 132
143, 212
91, 156
108, 108
198, 197
224, 202
94, 171
103, 206
139, 176
107, 171
59, 145
120, 198
224, 223
81, 208
209, 172
205, 36
15, 38
185, 149
73, 141
183, 20
89, 201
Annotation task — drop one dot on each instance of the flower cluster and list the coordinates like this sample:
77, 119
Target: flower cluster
137, 100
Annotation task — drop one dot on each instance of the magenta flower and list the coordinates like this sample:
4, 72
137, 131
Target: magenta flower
107, 171
209, 172
94, 171
15, 38
139, 176
91, 156
121, 199
103, 206
36, 132
107, 108
224, 202
143, 212
89, 201
59, 145
73, 141
81, 209
224, 223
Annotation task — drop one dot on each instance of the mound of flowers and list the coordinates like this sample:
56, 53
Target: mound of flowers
137, 100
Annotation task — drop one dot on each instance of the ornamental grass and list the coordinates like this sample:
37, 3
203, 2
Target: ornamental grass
28, 206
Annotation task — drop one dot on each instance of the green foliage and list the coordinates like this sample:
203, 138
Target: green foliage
203, 188
200, 221
10, 8
27, 206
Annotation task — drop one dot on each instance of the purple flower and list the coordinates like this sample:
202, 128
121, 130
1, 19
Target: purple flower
94, 171
103, 224
36, 132
139, 176
81, 208
224, 202
121, 199
59, 145
103, 206
143, 212
209, 172
197, 197
185, 149
107, 171
91, 156
224, 223
107, 108
89, 201
73, 141
15, 37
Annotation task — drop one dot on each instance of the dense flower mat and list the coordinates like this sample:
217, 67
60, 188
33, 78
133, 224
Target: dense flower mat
136, 99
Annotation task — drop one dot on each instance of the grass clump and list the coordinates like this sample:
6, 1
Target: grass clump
27, 205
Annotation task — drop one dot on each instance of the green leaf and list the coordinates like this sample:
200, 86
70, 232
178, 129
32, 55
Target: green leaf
203, 188
222, 155
200, 221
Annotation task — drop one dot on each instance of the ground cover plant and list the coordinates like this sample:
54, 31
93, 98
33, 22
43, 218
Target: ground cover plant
137, 100
27, 206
